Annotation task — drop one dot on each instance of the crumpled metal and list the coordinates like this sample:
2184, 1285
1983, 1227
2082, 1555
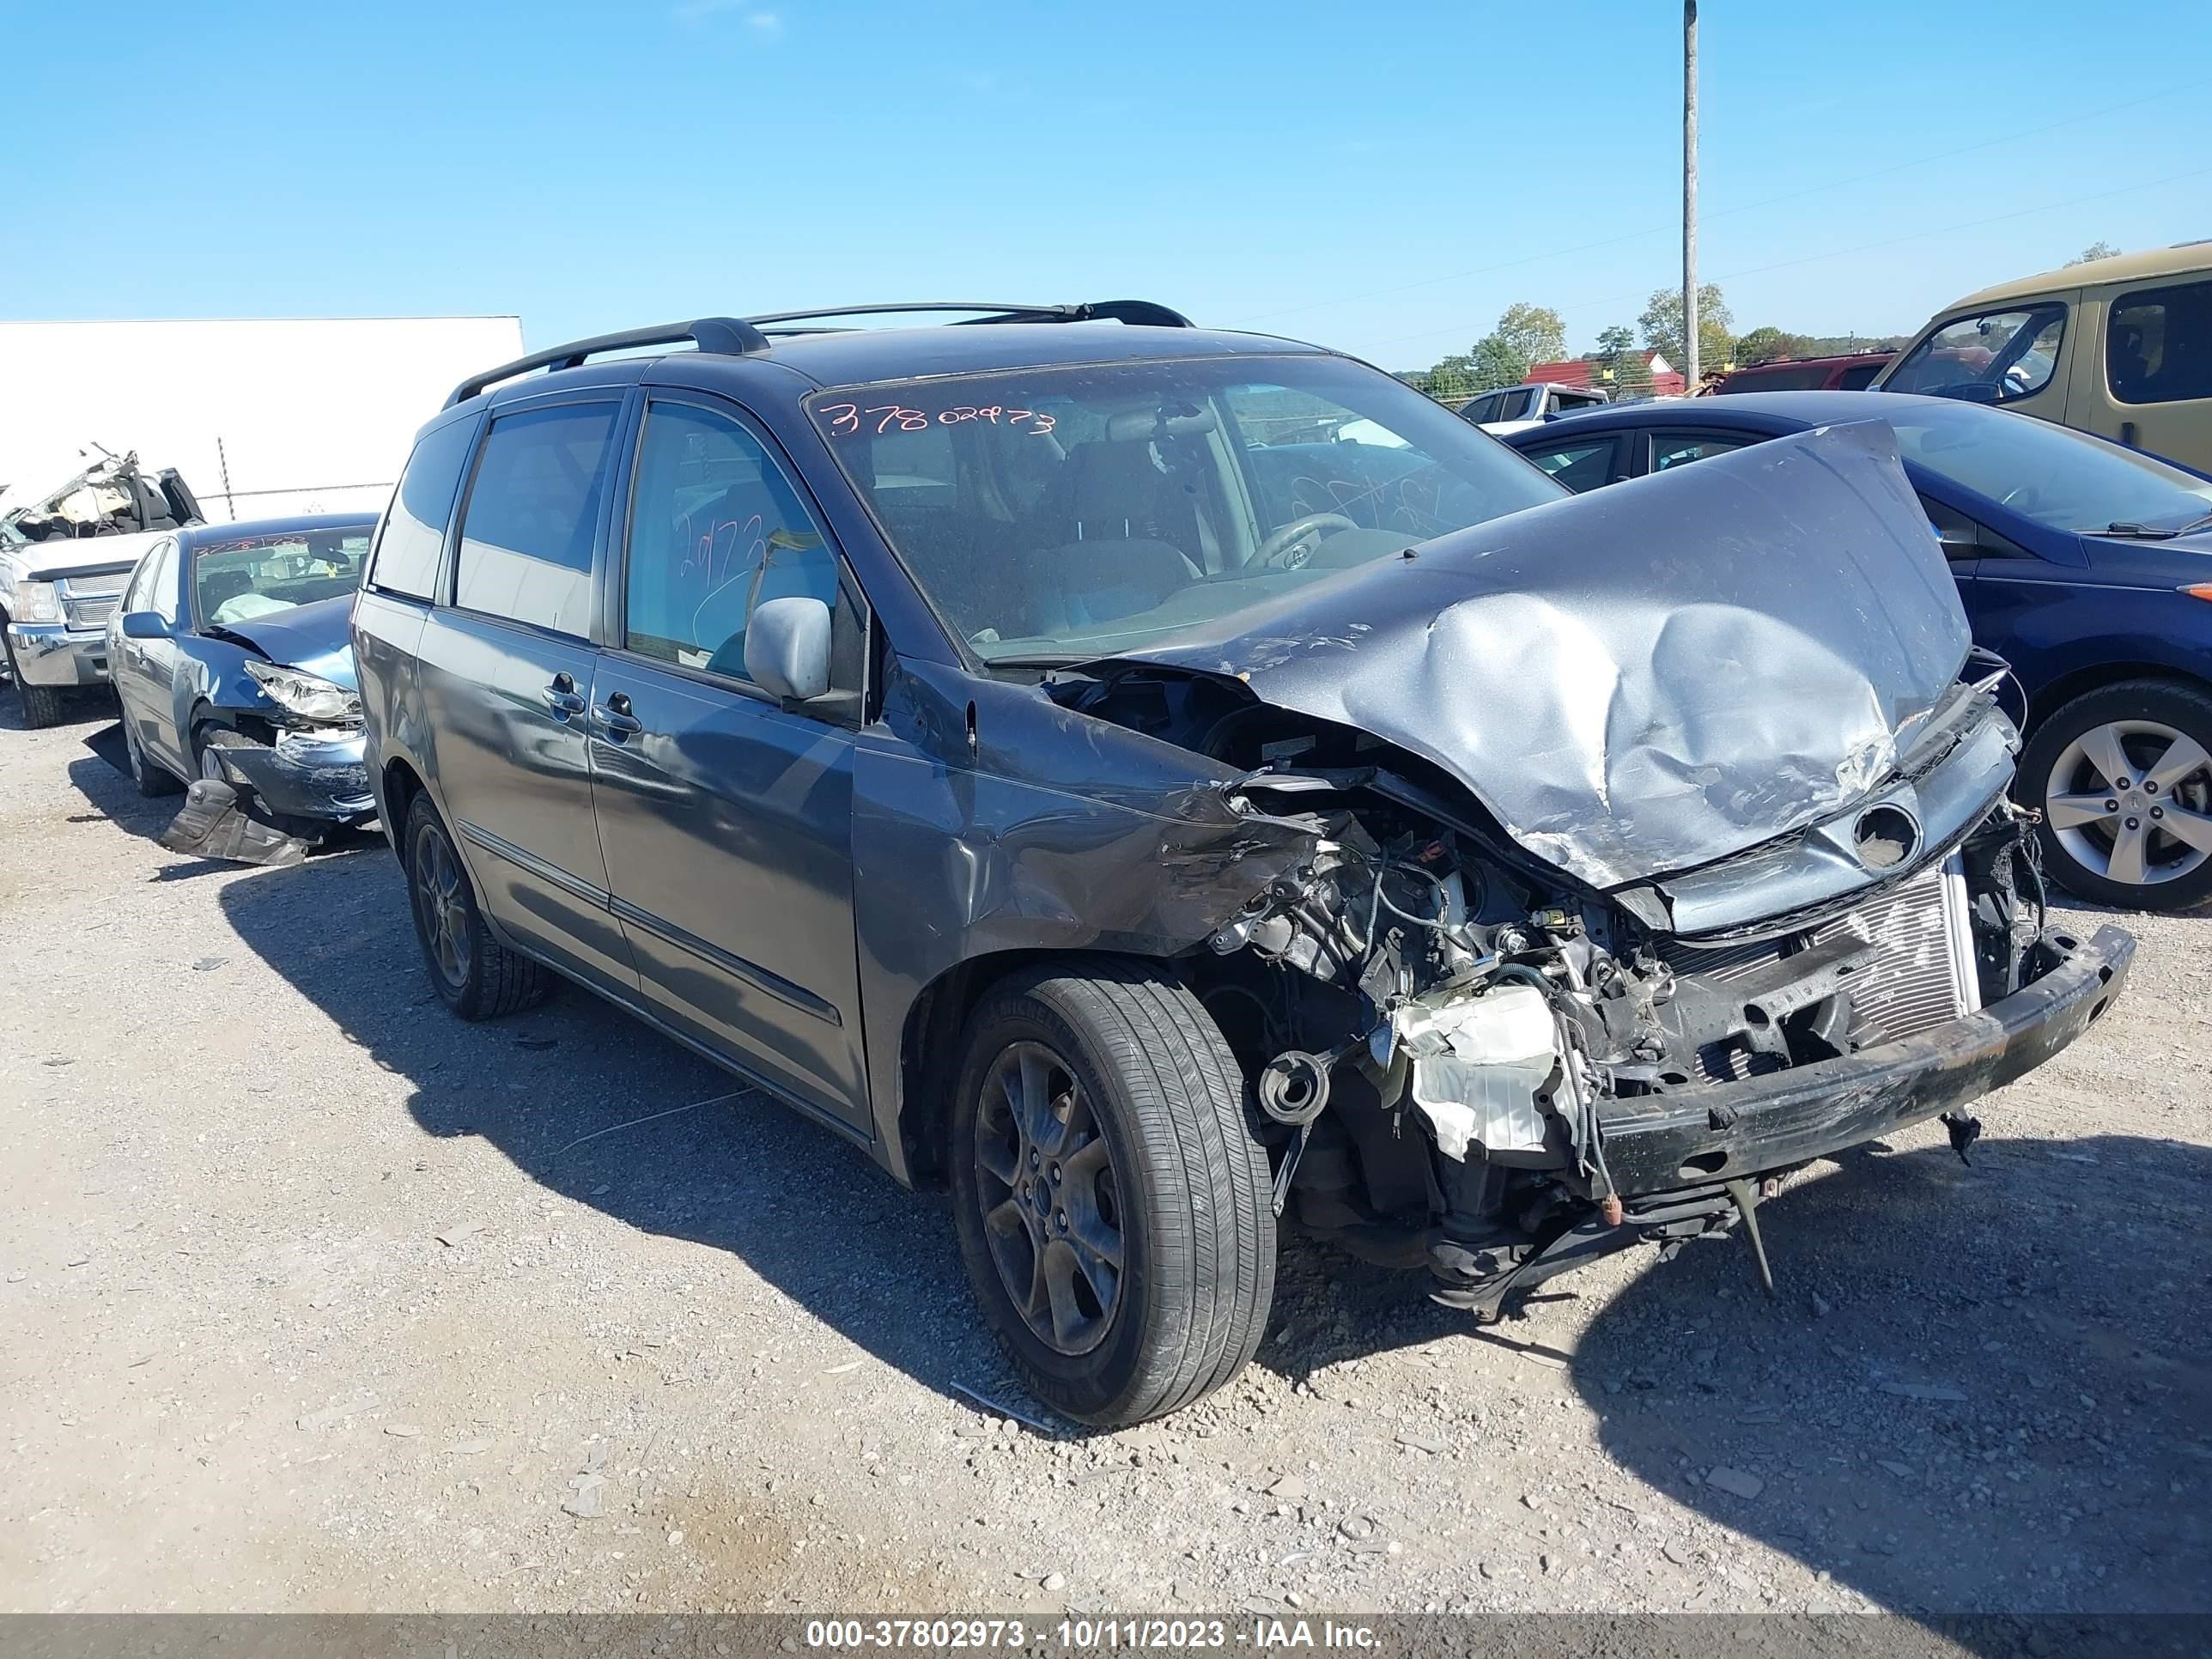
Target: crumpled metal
1648, 678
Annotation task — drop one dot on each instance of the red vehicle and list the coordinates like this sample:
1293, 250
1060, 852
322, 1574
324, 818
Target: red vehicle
1852, 372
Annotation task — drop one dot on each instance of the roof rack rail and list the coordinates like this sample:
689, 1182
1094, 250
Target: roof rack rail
1144, 313
734, 336
727, 336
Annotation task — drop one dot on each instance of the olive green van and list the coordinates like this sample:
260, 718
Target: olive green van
2120, 347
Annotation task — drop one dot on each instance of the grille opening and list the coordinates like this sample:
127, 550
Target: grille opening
1702, 1163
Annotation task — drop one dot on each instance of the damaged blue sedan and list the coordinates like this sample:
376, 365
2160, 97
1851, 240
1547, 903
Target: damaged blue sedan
232, 661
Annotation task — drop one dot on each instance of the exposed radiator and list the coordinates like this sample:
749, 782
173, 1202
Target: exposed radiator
1924, 967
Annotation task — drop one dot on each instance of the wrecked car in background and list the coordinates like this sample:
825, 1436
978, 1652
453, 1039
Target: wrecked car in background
989, 740
64, 554
232, 664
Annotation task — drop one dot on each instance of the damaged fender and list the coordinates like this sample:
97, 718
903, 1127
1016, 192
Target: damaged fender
994, 821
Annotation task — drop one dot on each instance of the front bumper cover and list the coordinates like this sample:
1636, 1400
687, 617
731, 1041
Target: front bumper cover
304, 774
49, 654
1670, 1143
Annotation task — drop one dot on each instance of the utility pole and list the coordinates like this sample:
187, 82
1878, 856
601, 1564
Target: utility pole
1690, 194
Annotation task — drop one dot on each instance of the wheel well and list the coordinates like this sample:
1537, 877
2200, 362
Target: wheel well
401, 784
929, 1053
2062, 690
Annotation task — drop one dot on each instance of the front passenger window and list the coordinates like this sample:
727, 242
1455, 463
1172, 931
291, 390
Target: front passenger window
715, 529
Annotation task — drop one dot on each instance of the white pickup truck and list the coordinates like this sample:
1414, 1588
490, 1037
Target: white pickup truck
64, 557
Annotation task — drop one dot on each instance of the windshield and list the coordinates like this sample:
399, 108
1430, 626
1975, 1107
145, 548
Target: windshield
1059, 513
2056, 477
237, 579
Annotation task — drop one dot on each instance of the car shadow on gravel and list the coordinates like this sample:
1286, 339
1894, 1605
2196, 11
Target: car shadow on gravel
598, 1109
1983, 1389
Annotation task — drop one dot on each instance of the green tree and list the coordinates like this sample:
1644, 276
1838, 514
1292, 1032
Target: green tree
1451, 381
2094, 251
1497, 362
1661, 323
1619, 364
1533, 331
1767, 342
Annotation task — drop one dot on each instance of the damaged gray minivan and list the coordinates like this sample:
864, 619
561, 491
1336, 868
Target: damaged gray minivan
1158, 783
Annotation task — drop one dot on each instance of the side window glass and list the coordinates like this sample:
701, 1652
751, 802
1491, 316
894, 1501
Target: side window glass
715, 529
1992, 358
1681, 448
414, 532
533, 512
1859, 376
134, 597
1484, 408
2158, 345
1578, 466
162, 600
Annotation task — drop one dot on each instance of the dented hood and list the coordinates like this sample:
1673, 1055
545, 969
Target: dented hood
316, 636
1648, 678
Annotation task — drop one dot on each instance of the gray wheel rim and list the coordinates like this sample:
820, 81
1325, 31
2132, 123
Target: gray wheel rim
1052, 1213
210, 765
2131, 801
443, 908
131, 748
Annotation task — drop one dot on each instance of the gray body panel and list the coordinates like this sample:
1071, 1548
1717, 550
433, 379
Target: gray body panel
1645, 678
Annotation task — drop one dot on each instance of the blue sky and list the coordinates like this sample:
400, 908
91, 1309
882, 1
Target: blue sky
1382, 177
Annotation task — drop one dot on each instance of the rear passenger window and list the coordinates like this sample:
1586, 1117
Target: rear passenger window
532, 515
414, 533
2158, 345
1578, 466
715, 529
1681, 448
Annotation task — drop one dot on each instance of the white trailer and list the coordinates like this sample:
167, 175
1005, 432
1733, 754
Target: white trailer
262, 417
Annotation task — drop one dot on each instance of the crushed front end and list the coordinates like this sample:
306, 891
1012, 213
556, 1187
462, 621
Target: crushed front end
1469, 1060
291, 752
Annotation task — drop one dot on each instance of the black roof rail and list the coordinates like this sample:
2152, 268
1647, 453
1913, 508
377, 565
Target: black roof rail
728, 336
1141, 312
734, 336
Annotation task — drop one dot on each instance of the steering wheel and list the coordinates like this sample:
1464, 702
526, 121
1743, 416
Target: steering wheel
1276, 549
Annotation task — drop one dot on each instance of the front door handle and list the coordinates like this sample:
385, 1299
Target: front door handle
563, 698
615, 718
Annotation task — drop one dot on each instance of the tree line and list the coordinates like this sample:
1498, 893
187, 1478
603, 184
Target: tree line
1530, 334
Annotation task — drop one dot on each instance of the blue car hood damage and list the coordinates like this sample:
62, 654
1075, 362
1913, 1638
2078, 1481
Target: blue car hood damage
314, 637
1646, 678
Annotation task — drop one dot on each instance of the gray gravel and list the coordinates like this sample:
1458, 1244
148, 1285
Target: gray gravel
312, 1297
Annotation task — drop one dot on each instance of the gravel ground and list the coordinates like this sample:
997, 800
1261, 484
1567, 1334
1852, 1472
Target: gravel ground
316, 1298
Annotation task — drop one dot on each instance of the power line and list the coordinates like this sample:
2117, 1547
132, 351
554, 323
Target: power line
1843, 253
1747, 207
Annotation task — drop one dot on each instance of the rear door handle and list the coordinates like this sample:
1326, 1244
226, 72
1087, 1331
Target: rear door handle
615, 718
563, 698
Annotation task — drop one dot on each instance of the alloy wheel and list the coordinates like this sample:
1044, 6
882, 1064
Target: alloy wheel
443, 907
2131, 801
1051, 1203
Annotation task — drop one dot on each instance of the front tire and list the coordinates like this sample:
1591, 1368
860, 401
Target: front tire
2124, 777
151, 778
475, 975
1113, 1209
42, 704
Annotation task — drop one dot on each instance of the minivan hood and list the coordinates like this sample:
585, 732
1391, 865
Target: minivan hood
315, 637
1648, 678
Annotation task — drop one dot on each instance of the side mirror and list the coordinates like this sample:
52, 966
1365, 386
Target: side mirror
787, 647
144, 625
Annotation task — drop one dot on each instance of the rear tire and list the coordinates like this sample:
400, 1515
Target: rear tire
2123, 776
476, 977
151, 778
42, 704
1113, 1209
